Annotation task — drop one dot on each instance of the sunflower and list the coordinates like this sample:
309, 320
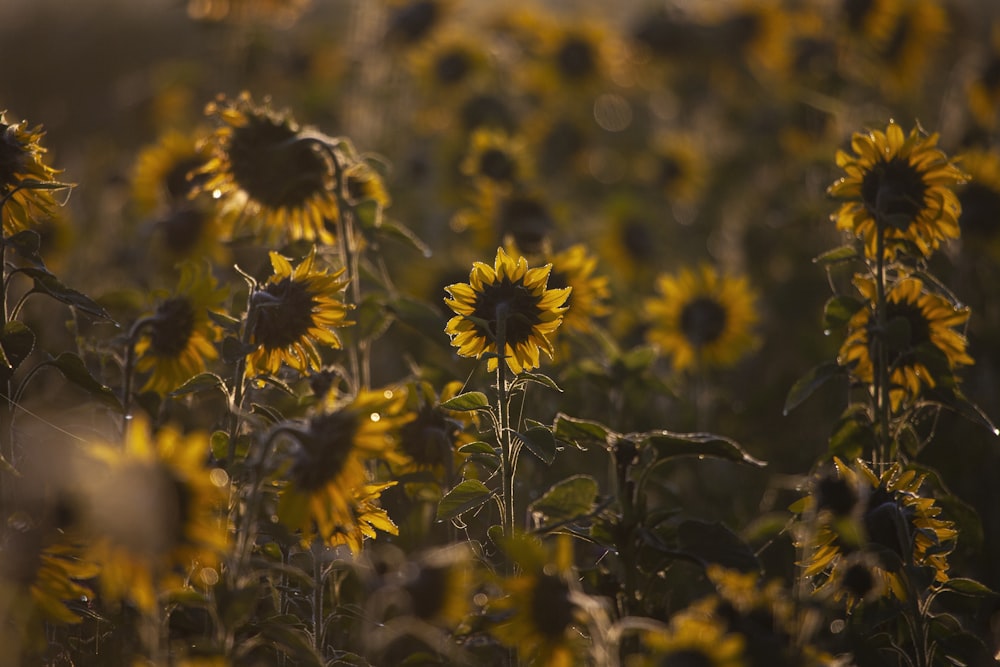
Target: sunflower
164, 184
177, 339
702, 319
538, 612
511, 293
899, 57
363, 183
267, 170
983, 92
675, 168
496, 159
329, 492
869, 20
448, 61
980, 199
900, 187
154, 510
411, 21
888, 519
22, 171
691, 639
516, 215
291, 312
922, 332
759, 30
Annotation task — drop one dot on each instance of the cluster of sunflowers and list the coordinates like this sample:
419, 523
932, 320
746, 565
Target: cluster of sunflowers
494, 375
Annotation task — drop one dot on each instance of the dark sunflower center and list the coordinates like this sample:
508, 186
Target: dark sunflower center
836, 495
171, 327
274, 166
990, 77
908, 330
411, 22
428, 592
430, 438
181, 180
527, 220
888, 523
858, 580
636, 239
522, 309
703, 320
575, 58
685, 657
486, 110
671, 170
980, 210
182, 229
551, 609
856, 12
324, 450
12, 156
496, 165
360, 188
893, 191
286, 316
742, 29
452, 66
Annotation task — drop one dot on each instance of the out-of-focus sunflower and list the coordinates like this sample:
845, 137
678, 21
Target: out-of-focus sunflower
329, 492
164, 182
269, 173
517, 215
410, 22
177, 339
758, 31
674, 167
155, 512
900, 58
922, 336
296, 309
702, 319
983, 91
511, 293
496, 159
901, 185
887, 518
364, 184
539, 613
575, 57
869, 21
574, 267
448, 61
22, 170
980, 200
274, 12
691, 639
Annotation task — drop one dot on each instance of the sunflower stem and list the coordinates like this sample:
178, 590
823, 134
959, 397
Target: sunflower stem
882, 394
503, 410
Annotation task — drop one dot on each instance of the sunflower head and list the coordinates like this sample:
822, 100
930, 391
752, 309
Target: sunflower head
267, 170
22, 171
923, 344
296, 309
980, 199
177, 338
430, 441
897, 188
702, 319
509, 301
693, 639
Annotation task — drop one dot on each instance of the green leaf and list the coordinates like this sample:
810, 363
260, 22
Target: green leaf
639, 358
372, 319
473, 400
580, 431
398, 231
46, 283
219, 445
837, 255
16, 342
669, 444
539, 441
537, 378
478, 447
233, 349
291, 640
26, 244
420, 316
566, 500
853, 434
712, 543
468, 495
74, 370
199, 383
954, 399
810, 382
225, 322
839, 310
968, 587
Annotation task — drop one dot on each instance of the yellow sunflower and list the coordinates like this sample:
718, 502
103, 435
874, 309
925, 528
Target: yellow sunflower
364, 183
155, 512
448, 61
922, 329
269, 172
518, 215
980, 200
758, 29
691, 639
178, 338
164, 182
22, 170
702, 319
293, 311
329, 492
538, 611
496, 159
674, 167
884, 516
900, 186
511, 293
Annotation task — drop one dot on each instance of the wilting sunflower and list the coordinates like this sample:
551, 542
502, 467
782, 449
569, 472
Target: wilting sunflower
539, 612
22, 170
292, 312
892, 521
900, 186
691, 639
512, 293
922, 334
702, 319
269, 172
329, 492
155, 512
177, 339
980, 200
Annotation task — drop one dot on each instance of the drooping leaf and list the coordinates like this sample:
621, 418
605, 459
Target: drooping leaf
46, 283
954, 399
468, 495
837, 255
16, 342
810, 382
566, 500
839, 310
539, 441
472, 400
398, 231
225, 322
74, 370
26, 244
968, 587
199, 383
372, 319
537, 378
580, 432
669, 444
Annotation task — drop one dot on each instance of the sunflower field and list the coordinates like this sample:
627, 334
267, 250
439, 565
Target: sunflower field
449, 332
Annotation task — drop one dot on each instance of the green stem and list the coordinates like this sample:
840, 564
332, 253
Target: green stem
881, 379
503, 409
